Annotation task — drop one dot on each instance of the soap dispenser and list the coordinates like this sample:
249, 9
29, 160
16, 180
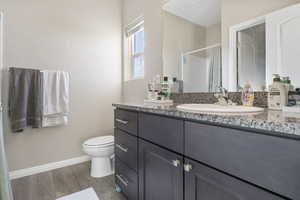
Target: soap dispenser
278, 95
247, 95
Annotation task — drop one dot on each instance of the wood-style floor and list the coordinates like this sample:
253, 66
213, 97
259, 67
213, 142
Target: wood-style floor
61, 182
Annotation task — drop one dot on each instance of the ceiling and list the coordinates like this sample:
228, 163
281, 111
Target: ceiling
201, 12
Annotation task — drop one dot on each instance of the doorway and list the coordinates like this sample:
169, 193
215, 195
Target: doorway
251, 57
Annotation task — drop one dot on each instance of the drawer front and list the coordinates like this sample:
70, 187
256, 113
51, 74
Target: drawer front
126, 148
164, 131
126, 121
127, 180
267, 161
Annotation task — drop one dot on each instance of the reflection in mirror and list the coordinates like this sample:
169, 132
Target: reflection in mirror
264, 46
191, 44
251, 57
202, 70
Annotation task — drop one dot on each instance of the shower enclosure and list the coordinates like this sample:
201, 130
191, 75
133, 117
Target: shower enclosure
202, 70
5, 188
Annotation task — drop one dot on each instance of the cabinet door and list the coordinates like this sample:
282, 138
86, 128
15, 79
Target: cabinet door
204, 183
160, 173
282, 40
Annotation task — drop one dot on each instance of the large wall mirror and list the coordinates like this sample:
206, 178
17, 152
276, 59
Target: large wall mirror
191, 44
258, 48
265, 46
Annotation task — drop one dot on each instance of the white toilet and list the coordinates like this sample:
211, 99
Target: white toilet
101, 151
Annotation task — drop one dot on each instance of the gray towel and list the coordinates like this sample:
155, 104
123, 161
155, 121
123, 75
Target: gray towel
25, 98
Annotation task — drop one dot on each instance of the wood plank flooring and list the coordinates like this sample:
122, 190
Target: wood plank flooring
61, 182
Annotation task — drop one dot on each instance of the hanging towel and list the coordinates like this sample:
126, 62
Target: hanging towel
55, 98
25, 98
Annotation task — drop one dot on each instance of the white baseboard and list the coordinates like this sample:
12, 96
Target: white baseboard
47, 167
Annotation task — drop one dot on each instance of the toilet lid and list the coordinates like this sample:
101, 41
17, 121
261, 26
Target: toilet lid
100, 141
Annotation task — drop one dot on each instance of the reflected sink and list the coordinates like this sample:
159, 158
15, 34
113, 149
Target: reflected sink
219, 109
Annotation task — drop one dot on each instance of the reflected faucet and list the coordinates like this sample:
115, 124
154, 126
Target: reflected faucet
224, 92
223, 97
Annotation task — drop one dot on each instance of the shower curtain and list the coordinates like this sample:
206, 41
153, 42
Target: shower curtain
215, 69
5, 188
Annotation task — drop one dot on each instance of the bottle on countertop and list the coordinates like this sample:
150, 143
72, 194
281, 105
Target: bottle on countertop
278, 94
165, 88
150, 92
287, 82
175, 86
247, 95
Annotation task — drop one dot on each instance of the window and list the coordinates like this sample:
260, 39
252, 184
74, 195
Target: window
135, 38
137, 54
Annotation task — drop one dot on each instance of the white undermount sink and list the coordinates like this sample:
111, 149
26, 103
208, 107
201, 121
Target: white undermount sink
219, 109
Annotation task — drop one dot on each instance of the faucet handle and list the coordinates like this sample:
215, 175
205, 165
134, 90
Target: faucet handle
217, 95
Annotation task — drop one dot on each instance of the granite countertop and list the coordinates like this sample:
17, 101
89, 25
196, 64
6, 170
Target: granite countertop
269, 121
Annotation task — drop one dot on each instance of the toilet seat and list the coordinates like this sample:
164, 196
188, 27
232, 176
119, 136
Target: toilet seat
101, 141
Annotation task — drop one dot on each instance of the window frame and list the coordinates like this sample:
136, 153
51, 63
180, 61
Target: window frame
133, 55
129, 55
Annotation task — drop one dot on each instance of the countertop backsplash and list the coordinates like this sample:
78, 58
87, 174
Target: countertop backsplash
260, 99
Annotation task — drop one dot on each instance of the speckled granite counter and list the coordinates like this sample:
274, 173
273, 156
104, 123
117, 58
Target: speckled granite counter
272, 122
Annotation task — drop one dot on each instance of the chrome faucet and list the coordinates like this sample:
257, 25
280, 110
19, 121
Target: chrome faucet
224, 92
222, 96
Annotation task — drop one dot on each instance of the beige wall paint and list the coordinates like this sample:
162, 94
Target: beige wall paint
179, 36
135, 90
213, 34
78, 36
237, 11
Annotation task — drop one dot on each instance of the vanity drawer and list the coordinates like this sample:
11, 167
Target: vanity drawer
126, 121
127, 180
264, 160
164, 131
126, 148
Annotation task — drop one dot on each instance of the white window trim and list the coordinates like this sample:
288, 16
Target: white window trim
130, 30
133, 56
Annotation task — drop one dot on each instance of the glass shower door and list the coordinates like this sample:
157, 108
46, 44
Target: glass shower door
5, 188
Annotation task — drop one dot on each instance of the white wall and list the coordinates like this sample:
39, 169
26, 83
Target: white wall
78, 36
179, 36
213, 34
135, 90
237, 11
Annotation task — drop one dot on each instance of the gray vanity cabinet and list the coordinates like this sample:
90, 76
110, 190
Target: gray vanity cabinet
166, 158
160, 173
204, 183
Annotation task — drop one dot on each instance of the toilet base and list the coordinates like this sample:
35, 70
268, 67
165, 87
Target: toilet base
101, 167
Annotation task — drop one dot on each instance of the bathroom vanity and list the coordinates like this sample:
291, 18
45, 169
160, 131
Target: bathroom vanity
166, 154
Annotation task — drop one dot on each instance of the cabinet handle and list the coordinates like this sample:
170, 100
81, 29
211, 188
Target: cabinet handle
122, 179
122, 148
122, 121
176, 163
188, 167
